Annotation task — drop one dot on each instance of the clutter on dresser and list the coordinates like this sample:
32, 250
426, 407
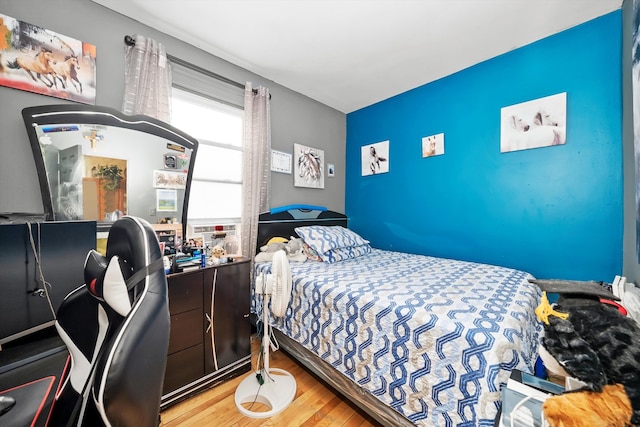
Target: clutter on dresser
170, 234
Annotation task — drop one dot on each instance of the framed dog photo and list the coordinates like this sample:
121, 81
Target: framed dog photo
375, 158
534, 124
433, 145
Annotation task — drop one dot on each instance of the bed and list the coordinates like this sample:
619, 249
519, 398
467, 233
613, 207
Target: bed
411, 339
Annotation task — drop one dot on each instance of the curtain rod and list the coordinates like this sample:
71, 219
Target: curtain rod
204, 71
130, 41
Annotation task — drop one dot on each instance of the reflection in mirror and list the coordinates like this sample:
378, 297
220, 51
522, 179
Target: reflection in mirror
95, 163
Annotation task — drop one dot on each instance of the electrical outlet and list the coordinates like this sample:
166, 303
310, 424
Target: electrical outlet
152, 212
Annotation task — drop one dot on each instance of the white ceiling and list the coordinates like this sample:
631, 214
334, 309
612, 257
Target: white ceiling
352, 53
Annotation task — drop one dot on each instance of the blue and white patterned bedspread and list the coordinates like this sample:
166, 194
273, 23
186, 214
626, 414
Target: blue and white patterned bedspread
433, 338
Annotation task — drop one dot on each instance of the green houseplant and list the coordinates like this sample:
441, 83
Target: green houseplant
112, 175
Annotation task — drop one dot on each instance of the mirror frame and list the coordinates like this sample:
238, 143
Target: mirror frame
99, 115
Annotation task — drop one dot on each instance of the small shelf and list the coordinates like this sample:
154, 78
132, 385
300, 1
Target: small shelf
170, 235
167, 227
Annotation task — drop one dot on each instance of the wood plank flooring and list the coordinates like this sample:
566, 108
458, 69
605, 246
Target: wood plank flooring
315, 404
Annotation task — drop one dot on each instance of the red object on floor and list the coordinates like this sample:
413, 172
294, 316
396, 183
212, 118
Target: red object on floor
620, 308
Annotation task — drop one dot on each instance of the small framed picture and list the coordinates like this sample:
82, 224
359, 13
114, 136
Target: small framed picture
169, 179
433, 145
166, 200
170, 161
375, 158
280, 161
331, 170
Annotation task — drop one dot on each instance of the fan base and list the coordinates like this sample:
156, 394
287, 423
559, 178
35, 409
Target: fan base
276, 393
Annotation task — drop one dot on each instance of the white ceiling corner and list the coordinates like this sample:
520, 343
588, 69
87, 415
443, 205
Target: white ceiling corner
349, 54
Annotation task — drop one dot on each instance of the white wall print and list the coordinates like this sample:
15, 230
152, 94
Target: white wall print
433, 145
169, 179
375, 158
308, 167
280, 162
533, 124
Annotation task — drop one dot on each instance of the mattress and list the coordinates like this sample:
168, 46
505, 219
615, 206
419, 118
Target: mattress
432, 338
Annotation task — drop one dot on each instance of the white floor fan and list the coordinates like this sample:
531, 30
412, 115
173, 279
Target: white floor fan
272, 387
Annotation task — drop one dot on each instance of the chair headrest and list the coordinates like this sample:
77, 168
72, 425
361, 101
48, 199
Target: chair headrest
132, 246
106, 280
134, 240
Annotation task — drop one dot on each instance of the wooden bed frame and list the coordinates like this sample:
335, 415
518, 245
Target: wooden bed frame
282, 223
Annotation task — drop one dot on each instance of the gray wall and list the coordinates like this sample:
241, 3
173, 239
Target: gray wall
630, 266
294, 118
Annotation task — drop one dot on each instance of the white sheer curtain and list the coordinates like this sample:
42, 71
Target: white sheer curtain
255, 172
147, 79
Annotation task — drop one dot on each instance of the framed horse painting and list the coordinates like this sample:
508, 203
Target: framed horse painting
38, 60
308, 167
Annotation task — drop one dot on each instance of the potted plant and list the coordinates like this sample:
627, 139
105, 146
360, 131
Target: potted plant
112, 175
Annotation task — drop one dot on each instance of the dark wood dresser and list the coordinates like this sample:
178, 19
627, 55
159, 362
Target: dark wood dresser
210, 329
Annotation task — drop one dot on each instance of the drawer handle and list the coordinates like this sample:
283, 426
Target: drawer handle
246, 315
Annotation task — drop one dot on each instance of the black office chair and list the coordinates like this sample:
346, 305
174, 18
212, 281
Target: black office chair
116, 328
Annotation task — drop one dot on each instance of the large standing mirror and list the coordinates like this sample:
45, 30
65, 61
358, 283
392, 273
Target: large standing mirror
95, 163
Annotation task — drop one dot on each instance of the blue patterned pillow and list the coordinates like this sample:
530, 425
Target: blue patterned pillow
340, 254
325, 238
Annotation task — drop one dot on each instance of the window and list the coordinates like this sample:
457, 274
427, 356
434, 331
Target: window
216, 186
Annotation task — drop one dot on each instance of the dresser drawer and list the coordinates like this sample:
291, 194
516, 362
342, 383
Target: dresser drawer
186, 330
183, 368
185, 292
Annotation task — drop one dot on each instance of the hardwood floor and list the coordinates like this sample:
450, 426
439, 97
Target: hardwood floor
315, 404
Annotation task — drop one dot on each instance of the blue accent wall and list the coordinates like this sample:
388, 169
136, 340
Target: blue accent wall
555, 211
